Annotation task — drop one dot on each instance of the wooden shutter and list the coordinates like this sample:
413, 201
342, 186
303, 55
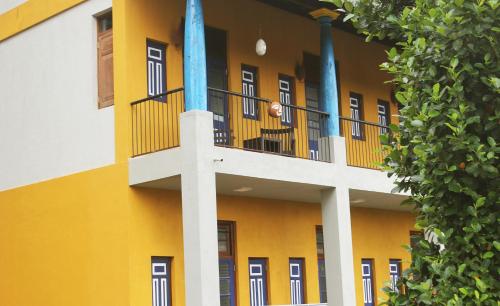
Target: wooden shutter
105, 68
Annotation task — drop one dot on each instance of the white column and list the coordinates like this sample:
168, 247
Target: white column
332, 149
338, 246
199, 209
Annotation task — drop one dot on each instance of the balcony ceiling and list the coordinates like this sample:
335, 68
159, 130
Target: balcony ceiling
304, 7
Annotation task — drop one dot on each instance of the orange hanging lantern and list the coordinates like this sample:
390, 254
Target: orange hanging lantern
275, 110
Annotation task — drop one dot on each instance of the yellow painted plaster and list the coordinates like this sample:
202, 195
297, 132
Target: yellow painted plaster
287, 35
279, 230
31, 13
64, 241
88, 238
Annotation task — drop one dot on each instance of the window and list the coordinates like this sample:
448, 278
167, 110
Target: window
105, 86
415, 237
394, 273
257, 270
160, 274
321, 264
313, 119
249, 88
356, 104
297, 281
156, 59
383, 111
367, 274
286, 98
226, 263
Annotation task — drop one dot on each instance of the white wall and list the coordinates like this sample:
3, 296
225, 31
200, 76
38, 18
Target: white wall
7, 5
50, 125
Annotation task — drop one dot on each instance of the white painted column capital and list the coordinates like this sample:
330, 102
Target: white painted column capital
337, 238
199, 209
339, 155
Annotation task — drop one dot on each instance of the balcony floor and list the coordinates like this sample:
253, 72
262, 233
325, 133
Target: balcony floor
261, 175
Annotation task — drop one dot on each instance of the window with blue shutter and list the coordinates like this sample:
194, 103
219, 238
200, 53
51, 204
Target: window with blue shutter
156, 68
356, 106
367, 274
286, 98
383, 112
227, 267
320, 248
297, 281
160, 272
249, 89
394, 273
313, 120
257, 269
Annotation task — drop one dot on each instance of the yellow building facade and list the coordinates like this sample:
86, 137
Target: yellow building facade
88, 235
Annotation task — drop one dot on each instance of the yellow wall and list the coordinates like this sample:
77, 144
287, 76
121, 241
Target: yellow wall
31, 13
287, 36
87, 239
379, 235
62, 242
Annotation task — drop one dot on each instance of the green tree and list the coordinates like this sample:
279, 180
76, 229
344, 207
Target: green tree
445, 151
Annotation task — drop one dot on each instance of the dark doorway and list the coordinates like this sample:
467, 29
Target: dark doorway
216, 48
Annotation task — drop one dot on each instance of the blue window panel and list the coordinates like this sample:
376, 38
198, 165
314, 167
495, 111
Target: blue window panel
313, 150
367, 274
383, 112
156, 68
322, 280
161, 281
356, 107
249, 88
394, 273
226, 282
258, 282
296, 281
286, 98
313, 120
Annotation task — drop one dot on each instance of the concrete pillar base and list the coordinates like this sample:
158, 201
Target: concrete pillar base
337, 237
199, 209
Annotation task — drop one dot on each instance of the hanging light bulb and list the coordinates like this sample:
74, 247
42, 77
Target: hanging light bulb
260, 47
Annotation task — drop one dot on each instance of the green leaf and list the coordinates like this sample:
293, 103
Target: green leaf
348, 17
348, 6
480, 284
488, 255
435, 90
496, 244
491, 141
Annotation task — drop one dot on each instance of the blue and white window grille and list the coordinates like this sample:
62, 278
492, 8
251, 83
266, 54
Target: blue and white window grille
285, 90
156, 59
367, 274
395, 273
249, 88
258, 282
383, 115
160, 272
322, 280
313, 120
226, 282
356, 103
296, 281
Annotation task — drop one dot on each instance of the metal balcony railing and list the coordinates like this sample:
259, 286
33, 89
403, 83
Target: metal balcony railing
243, 122
363, 145
155, 122
240, 122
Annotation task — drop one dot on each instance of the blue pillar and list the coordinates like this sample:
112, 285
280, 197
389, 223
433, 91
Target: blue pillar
328, 85
195, 65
